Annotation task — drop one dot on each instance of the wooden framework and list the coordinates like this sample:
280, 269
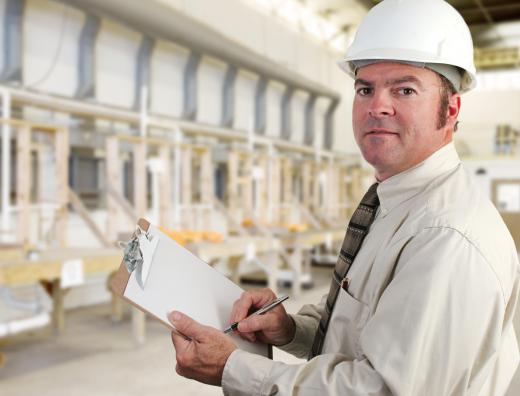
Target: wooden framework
284, 191
194, 185
263, 185
26, 134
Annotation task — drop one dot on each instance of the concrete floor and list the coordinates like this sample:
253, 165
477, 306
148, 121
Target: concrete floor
97, 357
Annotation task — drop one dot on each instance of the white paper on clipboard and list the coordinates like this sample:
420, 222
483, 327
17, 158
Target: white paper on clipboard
178, 280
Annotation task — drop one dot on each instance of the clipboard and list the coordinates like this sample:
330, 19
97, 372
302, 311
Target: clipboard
178, 280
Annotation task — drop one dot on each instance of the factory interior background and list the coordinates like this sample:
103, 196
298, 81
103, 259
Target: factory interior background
225, 123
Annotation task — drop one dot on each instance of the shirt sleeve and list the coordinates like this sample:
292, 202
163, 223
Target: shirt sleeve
306, 322
435, 331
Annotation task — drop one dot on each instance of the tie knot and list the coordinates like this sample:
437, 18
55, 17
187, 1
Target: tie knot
371, 199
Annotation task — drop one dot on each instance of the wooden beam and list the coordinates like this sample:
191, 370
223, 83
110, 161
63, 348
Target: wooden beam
275, 189
23, 183
287, 193
62, 182
140, 184
187, 190
261, 186
207, 185
306, 184
165, 186
247, 186
123, 203
232, 184
82, 211
113, 185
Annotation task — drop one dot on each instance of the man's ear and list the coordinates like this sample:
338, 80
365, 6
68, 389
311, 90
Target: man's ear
453, 110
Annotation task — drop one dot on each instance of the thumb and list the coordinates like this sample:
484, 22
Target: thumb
185, 325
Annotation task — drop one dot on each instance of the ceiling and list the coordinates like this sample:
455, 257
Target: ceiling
477, 12
480, 15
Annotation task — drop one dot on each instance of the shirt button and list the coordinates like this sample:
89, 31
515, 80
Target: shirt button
384, 211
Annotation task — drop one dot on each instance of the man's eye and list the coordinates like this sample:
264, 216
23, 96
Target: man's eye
364, 91
406, 91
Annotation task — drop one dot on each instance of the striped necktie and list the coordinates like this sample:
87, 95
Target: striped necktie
358, 228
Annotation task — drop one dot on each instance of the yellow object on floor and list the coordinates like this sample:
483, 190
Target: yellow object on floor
187, 236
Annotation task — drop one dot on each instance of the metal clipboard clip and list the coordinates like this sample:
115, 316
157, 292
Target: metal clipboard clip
138, 254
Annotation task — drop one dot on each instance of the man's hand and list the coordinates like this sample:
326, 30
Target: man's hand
274, 327
203, 356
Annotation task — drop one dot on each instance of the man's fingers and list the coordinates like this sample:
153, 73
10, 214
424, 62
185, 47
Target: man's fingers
180, 343
248, 300
185, 325
257, 323
241, 307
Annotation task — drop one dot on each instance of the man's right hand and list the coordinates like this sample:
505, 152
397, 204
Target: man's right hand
274, 327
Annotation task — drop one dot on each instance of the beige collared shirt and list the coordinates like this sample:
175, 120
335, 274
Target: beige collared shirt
429, 306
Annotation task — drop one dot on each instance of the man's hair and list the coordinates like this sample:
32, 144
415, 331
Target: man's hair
447, 89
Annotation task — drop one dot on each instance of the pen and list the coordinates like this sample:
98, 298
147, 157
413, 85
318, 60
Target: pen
262, 310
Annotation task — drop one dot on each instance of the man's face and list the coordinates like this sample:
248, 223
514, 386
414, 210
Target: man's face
395, 116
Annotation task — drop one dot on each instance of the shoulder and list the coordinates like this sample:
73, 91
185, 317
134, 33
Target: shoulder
459, 220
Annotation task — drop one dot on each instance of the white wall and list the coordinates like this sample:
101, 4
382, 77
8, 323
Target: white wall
166, 79
116, 52
496, 100
265, 34
245, 87
209, 90
50, 42
274, 96
320, 110
497, 169
343, 134
117, 47
299, 100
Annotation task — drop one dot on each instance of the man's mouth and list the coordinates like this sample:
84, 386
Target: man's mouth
381, 132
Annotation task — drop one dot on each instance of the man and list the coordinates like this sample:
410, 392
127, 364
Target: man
424, 292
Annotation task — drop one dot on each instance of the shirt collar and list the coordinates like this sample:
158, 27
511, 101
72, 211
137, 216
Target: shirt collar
405, 185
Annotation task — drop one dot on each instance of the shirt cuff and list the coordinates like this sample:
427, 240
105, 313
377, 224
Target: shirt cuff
305, 330
244, 373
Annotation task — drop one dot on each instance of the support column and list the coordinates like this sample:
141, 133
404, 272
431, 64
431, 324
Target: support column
317, 188
6, 162
261, 186
62, 183
23, 183
261, 106
328, 136
113, 180
228, 97
307, 184
309, 120
140, 190
207, 185
86, 58
140, 204
186, 187
275, 190
177, 186
286, 124
142, 74
13, 41
232, 185
190, 87
165, 186
287, 193
247, 183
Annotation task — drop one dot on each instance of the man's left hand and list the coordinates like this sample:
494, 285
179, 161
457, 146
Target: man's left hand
203, 353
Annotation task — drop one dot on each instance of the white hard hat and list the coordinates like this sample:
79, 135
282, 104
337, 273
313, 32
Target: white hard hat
420, 31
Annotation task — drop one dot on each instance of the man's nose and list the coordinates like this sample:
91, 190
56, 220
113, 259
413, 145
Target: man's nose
381, 105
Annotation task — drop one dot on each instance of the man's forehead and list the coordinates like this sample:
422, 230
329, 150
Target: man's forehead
394, 72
